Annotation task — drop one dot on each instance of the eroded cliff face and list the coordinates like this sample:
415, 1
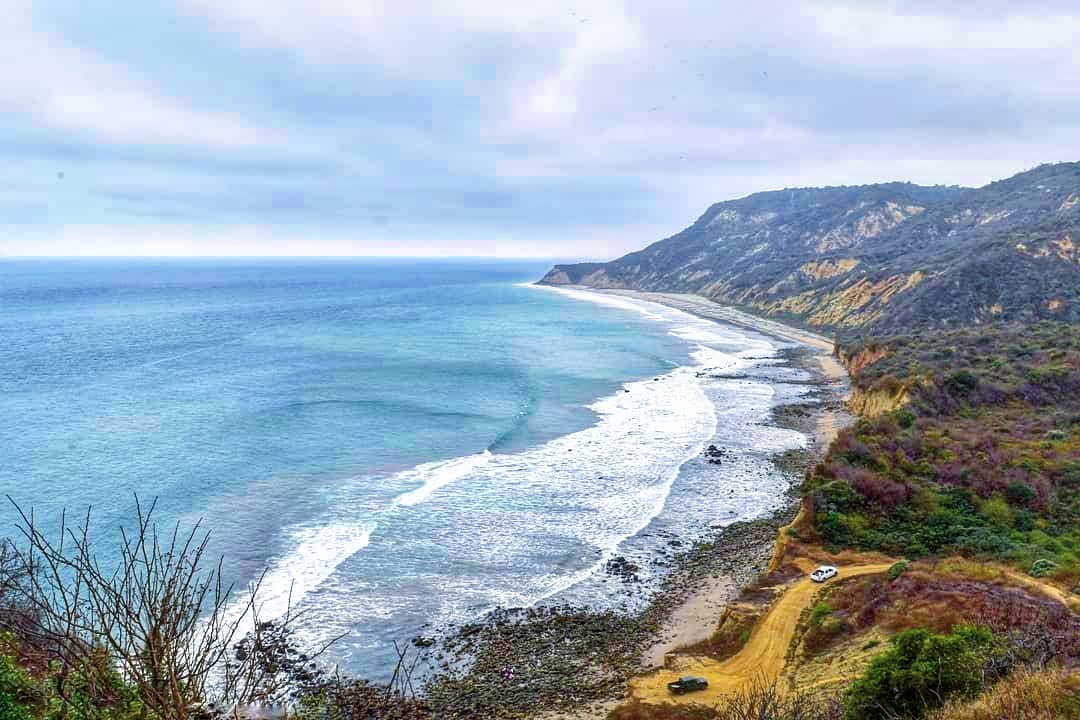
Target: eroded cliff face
871, 400
875, 258
856, 361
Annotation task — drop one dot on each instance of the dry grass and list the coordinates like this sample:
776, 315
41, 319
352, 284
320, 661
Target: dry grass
1026, 695
962, 567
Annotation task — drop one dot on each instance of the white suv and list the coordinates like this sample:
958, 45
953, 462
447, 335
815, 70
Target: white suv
823, 573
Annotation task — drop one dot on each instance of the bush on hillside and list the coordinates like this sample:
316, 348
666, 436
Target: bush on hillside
147, 635
18, 692
921, 671
1043, 567
897, 569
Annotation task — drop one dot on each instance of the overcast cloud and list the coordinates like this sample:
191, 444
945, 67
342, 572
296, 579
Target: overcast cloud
472, 127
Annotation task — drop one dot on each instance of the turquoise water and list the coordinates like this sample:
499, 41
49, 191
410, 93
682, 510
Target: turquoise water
399, 442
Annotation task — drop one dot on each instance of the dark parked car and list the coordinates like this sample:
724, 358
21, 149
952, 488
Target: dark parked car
688, 683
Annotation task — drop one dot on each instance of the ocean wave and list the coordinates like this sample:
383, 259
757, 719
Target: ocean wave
395, 406
652, 311
519, 514
684, 325
435, 475
529, 525
316, 551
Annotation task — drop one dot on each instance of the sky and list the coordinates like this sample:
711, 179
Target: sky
494, 127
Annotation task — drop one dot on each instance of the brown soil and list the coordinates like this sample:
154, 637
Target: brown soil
762, 658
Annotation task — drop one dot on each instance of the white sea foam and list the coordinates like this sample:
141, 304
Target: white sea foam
435, 475
316, 552
685, 326
524, 514
649, 310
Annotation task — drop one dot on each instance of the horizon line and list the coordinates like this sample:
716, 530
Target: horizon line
547, 258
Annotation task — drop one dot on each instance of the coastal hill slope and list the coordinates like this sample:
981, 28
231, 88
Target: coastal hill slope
875, 258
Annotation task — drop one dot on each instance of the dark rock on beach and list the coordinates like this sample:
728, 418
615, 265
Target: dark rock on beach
622, 568
714, 454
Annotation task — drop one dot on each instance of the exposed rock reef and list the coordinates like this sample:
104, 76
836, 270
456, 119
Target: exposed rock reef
875, 258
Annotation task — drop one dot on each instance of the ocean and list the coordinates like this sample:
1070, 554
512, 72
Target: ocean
400, 444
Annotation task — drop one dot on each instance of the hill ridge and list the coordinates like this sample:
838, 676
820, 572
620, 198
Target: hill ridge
874, 258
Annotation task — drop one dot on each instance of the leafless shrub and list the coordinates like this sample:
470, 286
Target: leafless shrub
160, 615
766, 701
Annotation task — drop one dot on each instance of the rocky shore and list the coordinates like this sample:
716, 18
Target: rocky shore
575, 662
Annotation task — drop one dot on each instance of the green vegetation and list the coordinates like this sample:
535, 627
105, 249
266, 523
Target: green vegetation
145, 638
898, 569
818, 613
18, 692
921, 671
56, 692
984, 461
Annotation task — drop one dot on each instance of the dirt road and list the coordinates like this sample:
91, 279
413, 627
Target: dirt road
762, 658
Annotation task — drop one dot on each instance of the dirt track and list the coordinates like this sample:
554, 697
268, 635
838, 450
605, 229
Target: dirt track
762, 658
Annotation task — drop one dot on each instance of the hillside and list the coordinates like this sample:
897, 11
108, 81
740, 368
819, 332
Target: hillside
875, 258
951, 507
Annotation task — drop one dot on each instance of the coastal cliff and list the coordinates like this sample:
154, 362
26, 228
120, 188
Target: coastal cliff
874, 259
871, 400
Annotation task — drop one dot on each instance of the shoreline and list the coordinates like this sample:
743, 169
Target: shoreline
820, 417
829, 370
687, 604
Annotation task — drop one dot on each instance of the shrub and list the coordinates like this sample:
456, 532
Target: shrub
819, 613
1043, 567
897, 569
921, 671
905, 418
1070, 474
998, 511
17, 691
152, 637
880, 491
961, 382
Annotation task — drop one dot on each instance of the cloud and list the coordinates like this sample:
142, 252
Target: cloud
886, 27
463, 126
67, 88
